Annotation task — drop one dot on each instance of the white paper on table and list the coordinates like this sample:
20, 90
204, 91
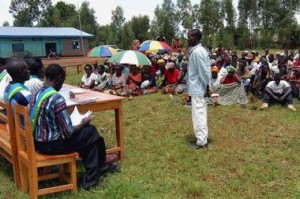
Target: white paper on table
76, 117
71, 103
78, 91
65, 92
85, 100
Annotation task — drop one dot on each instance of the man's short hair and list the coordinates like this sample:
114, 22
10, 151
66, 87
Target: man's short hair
14, 67
197, 33
34, 65
277, 76
54, 71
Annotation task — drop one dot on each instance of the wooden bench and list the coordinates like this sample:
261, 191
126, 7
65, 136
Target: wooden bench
78, 67
8, 145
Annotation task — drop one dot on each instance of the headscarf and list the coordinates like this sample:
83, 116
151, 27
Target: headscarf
230, 69
160, 61
214, 69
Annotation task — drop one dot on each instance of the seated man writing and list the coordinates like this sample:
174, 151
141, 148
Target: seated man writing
54, 132
278, 91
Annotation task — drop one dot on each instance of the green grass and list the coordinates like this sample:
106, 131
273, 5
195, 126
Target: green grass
253, 153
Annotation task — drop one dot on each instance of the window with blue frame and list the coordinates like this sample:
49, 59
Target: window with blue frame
18, 47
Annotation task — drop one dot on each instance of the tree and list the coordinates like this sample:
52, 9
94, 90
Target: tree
28, 12
103, 35
118, 20
140, 26
127, 36
278, 18
229, 15
184, 13
247, 23
211, 21
88, 19
61, 15
165, 21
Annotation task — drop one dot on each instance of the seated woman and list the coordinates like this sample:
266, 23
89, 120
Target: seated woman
103, 79
148, 84
89, 78
231, 77
229, 90
134, 81
170, 79
214, 85
182, 87
160, 70
118, 81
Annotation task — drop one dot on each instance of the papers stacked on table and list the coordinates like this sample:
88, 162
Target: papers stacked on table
76, 117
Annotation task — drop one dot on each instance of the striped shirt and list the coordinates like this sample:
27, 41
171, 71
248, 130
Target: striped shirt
22, 97
53, 122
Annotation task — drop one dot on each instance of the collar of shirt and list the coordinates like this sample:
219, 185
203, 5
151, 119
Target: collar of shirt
194, 47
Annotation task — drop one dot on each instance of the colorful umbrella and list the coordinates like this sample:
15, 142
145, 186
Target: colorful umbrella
153, 46
130, 57
101, 51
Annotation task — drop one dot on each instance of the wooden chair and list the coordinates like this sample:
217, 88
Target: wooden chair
8, 144
30, 160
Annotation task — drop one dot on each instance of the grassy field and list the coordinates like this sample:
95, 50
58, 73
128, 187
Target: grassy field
253, 153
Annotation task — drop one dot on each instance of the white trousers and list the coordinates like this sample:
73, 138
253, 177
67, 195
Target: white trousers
199, 117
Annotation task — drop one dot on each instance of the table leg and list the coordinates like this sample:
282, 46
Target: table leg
119, 130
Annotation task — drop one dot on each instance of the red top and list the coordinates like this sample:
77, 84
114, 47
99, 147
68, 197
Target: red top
153, 70
229, 80
137, 77
172, 78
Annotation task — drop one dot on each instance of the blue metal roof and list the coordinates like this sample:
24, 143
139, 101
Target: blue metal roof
41, 32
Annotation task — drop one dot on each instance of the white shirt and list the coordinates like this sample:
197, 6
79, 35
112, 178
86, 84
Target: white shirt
87, 80
199, 73
222, 72
215, 83
278, 89
3, 84
33, 85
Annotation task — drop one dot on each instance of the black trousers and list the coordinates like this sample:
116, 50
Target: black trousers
269, 99
90, 146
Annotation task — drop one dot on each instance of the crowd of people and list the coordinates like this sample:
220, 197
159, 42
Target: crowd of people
233, 77
201, 75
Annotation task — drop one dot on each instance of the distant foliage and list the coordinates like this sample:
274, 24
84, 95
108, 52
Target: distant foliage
258, 24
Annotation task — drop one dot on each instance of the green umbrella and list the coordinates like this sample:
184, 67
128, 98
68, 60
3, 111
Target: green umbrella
130, 57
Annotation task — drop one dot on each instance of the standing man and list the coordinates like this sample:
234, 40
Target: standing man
199, 76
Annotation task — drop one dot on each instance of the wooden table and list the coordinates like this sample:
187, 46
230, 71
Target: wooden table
102, 103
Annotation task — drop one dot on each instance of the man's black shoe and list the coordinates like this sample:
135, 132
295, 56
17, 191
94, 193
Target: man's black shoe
89, 187
196, 146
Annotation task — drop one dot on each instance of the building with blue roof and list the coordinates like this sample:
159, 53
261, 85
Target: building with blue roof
40, 41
